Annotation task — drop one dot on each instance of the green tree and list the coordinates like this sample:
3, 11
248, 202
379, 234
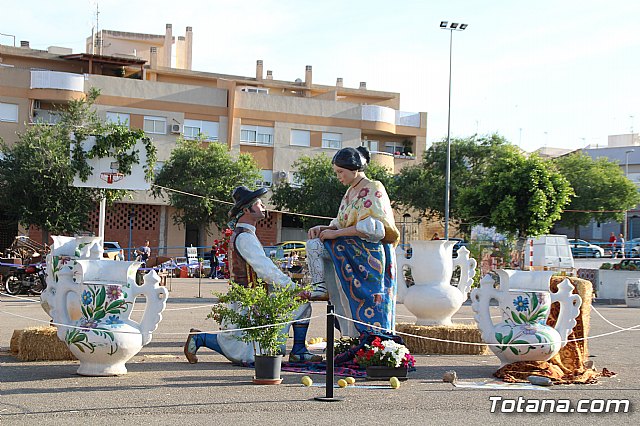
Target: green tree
320, 192
212, 173
423, 185
602, 191
36, 173
519, 195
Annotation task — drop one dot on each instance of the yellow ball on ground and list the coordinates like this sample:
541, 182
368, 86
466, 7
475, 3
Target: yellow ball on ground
306, 380
350, 380
395, 383
342, 383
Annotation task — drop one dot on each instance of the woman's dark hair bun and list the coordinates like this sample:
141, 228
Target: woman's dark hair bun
365, 153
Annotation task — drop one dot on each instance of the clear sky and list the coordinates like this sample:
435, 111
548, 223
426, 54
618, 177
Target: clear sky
542, 73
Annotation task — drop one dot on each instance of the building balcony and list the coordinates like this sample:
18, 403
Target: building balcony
44, 79
391, 116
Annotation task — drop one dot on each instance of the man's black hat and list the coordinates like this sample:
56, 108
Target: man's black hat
244, 198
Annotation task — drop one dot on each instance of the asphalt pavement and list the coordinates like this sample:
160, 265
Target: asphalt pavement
163, 388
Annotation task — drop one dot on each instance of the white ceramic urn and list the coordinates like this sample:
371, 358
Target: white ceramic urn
432, 298
91, 301
524, 300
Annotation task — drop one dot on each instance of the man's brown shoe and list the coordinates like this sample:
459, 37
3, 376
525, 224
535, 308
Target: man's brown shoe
190, 347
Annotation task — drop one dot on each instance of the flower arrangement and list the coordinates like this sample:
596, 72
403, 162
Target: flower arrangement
255, 309
385, 353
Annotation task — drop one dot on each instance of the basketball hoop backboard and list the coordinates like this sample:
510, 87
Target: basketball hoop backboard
105, 171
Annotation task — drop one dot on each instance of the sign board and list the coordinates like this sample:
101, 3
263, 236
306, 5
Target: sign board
104, 174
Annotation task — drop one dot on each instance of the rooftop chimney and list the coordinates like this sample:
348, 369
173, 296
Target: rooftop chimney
308, 76
259, 69
269, 75
339, 82
167, 46
24, 44
363, 85
153, 57
189, 47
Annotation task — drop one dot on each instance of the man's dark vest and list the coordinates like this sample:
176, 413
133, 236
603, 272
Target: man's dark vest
241, 272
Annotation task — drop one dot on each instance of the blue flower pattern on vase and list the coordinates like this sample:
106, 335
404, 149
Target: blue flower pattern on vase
528, 319
521, 304
101, 309
86, 298
114, 320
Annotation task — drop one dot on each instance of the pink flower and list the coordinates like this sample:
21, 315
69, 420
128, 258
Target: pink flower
363, 192
367, 203
378, 194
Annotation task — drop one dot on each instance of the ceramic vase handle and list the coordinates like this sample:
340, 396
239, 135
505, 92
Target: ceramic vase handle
569, 308
467, 270
60, 309
156, 298
480, 299
401, 261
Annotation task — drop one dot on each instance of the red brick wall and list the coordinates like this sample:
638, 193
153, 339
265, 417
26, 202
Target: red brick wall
145, 225
267, 229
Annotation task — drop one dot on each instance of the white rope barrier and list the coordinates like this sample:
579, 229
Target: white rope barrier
609, 322
134, 310
233, 330
563, 342
620, 329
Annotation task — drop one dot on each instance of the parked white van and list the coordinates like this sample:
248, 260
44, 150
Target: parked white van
551, 252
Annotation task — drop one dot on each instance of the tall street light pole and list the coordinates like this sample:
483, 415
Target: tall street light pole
626, 174
451, 27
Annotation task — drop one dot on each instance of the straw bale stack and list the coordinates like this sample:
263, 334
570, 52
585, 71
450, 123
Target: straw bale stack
455, 332
39, 344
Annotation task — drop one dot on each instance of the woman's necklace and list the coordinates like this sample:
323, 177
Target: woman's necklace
352, 188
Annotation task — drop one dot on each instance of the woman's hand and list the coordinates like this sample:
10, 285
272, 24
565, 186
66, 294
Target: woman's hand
329, 234
315, 231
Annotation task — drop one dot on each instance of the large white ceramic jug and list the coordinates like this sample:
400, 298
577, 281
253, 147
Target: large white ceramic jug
91, 300
432, 299
524, 300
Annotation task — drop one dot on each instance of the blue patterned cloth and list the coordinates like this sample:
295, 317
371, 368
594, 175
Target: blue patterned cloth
366, 270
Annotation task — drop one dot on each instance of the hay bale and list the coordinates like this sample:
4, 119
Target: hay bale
15, 338
455, 332
42, 344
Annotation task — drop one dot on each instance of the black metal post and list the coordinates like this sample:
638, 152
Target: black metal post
329, 353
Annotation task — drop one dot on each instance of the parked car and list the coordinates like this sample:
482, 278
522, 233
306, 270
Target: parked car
582, 248
287, 247
112, 250
632, 247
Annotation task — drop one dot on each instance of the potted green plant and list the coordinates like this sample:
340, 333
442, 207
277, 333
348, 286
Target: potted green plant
255, 310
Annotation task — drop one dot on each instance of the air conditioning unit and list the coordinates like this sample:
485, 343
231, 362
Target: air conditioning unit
281, 174
175, 128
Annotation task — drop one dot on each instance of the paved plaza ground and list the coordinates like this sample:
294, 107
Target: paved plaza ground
162, 388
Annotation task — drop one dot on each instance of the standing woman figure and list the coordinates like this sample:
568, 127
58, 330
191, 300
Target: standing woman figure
359, 246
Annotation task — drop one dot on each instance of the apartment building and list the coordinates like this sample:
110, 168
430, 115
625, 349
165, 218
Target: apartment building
275, 121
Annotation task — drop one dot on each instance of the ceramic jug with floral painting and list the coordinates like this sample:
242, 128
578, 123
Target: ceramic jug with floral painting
91, 302
432, 298
524, 300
